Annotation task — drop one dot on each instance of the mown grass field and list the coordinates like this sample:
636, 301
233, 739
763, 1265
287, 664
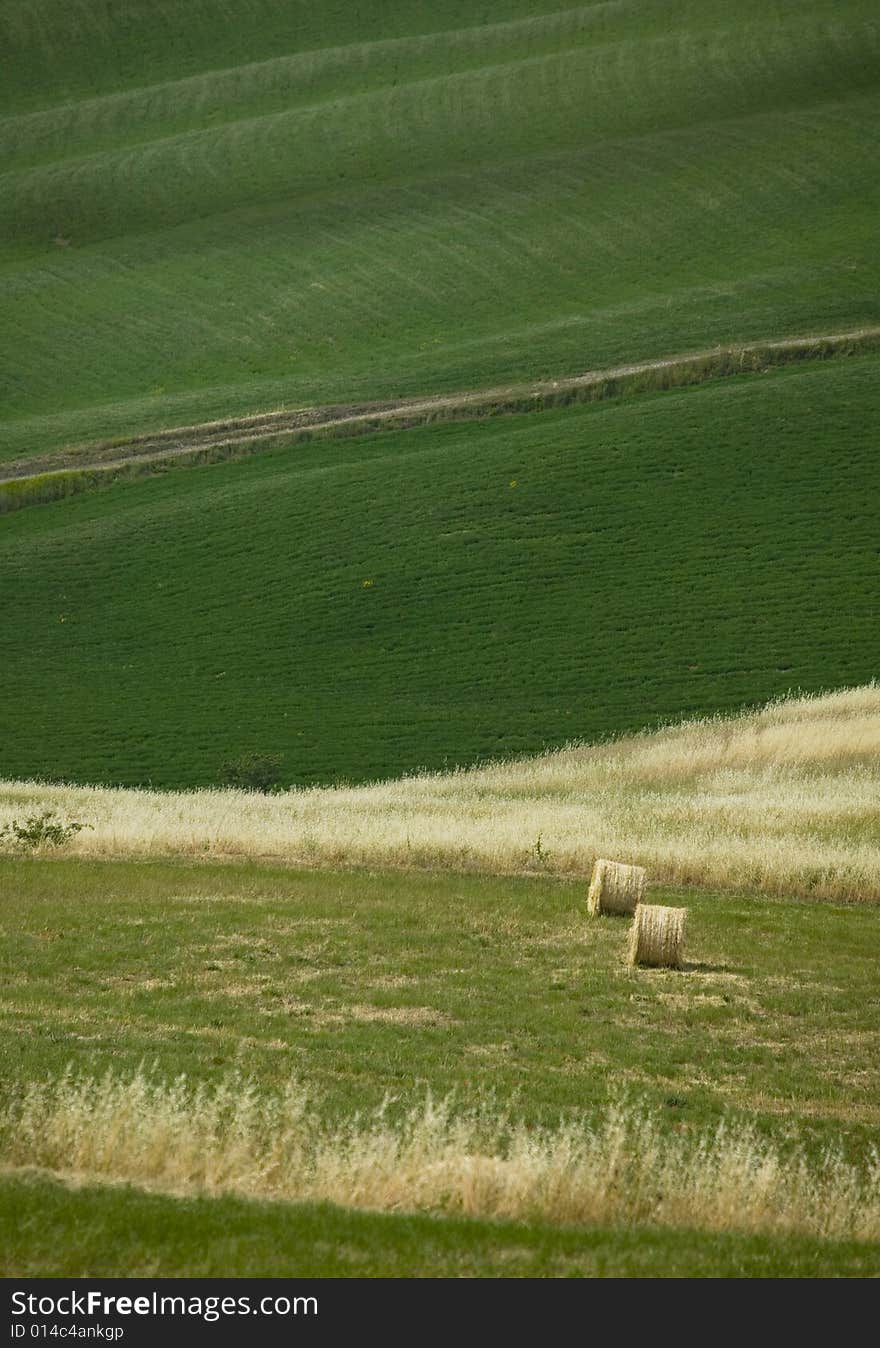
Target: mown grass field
371, 985
434, 596
367, 983
201, 216
101, 1231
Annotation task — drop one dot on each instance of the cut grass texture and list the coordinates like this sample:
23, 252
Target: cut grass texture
367, 985
337, 206
447, 594
749, 1077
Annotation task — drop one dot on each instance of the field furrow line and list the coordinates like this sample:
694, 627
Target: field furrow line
404, 413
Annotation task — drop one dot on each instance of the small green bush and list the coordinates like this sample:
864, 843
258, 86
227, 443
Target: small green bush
40, 829
253, 772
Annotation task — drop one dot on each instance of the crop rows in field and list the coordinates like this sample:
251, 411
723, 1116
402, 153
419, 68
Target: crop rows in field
444, 594
431, 210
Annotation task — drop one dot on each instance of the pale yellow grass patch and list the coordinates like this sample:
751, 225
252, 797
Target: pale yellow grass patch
290, 1006
782, 800
394, 981
231, 1138
322, 1014
233, 989
400, 1015
130, 984
687, 1001
845, 1111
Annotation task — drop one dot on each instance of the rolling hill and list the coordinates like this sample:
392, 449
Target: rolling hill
472, 407
781, 800
433, 596
203, 217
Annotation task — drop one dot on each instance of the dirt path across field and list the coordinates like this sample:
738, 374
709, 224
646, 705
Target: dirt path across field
399, 413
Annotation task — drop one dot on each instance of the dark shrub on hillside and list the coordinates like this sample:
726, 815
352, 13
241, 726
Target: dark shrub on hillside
253, 772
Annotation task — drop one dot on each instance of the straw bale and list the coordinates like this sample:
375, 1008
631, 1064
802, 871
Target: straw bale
615, 887
656, 937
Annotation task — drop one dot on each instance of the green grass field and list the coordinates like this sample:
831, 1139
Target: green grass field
201, 216
198, 220
367, 985
375, 983
230, 207
438, 595
113, 1232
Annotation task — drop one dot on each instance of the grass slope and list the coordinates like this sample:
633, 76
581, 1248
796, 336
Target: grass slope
202, 216
451, 592
50, 1230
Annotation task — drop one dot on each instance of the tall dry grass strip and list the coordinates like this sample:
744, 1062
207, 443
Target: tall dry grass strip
656, 937
615, 887
229, 1138
772, 802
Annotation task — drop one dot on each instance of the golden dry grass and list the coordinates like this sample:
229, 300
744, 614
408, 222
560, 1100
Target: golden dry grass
779, 801
192, 1139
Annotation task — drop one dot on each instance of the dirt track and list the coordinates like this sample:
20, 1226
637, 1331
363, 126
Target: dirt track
190, 440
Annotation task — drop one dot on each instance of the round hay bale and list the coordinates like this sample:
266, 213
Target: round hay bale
615, 888
656, 937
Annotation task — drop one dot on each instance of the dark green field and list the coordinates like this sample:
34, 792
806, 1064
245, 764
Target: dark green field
201, 217
434, 596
